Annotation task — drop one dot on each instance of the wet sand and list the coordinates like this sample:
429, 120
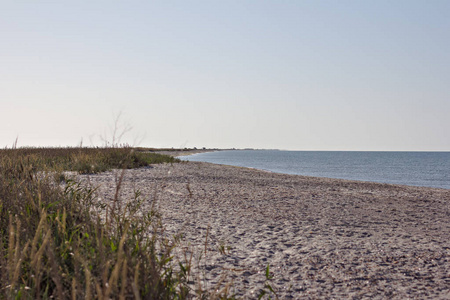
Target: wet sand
323, 238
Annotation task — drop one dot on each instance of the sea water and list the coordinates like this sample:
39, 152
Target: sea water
429, 169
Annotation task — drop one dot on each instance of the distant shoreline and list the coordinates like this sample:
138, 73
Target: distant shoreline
185, 152
427, 169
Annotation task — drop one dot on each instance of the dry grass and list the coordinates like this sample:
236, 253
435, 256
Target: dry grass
53, 243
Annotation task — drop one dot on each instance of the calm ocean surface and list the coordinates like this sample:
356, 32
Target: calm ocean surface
430, 169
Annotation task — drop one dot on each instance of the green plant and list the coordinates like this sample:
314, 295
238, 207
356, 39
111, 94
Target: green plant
267, 285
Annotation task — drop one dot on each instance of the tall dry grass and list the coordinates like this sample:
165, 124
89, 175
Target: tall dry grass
53, 243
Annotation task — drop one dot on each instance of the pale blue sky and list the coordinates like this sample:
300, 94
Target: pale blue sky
299, 75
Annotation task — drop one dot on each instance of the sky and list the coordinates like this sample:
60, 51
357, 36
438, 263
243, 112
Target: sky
296, 75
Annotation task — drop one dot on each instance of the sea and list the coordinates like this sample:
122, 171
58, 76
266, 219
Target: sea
427, 169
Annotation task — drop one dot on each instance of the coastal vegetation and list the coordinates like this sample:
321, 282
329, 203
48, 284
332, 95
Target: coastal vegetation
58, 241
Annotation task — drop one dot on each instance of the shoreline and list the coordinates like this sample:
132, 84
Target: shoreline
185, 152
318, 177
322, 237
394, 181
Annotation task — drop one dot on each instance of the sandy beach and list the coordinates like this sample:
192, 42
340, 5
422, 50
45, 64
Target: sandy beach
323, 238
